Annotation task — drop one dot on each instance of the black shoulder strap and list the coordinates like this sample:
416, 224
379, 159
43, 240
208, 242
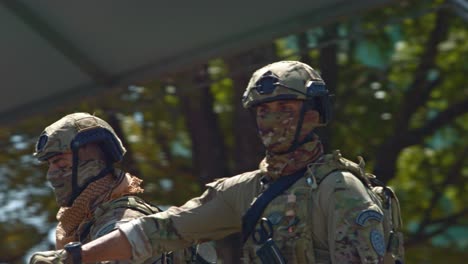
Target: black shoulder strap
252, 215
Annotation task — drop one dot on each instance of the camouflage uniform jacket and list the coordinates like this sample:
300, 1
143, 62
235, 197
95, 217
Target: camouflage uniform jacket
110, 215
337, 221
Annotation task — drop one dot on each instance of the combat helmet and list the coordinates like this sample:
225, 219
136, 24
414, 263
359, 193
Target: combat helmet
74, 131
285, 80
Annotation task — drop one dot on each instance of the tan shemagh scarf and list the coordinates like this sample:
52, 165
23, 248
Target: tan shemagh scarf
97, 192
275, 166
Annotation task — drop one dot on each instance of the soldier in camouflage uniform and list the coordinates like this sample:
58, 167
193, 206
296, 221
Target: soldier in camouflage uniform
94, 197
332, 214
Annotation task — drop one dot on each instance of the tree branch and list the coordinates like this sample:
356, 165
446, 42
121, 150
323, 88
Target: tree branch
447, 219
446, 223
417, 135
454, 170
457, 167
419, 90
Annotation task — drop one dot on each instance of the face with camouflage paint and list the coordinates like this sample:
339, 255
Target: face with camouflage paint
59, 174
277, 123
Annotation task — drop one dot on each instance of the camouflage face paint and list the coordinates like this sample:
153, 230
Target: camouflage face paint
277, 130
61, 179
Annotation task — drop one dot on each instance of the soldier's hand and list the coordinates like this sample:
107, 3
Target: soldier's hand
50, 257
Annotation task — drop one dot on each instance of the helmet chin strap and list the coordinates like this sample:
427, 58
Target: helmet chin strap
76, 189
296, 143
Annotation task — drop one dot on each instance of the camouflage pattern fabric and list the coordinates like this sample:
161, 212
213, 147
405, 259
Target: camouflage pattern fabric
57, 137
274, 166
105, 214
60, 178
51, 257
108, 217
337, 221
277, 131
291, 81
383, 196
332, 219
70, 218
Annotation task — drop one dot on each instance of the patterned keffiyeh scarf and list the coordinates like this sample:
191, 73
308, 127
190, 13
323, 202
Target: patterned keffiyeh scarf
97, 192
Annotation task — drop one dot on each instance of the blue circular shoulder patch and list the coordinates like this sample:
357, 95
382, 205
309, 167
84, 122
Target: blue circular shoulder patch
367, 215
377, 241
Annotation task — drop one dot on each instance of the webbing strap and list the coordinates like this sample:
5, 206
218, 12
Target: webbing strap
252, 215
130, 202
135, 203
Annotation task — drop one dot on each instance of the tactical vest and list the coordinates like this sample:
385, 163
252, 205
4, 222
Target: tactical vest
389, 204
293, 214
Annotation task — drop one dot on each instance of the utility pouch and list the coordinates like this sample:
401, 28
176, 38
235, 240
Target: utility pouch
269, 253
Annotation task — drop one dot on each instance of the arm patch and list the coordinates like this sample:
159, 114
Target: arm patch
367, 215
377, 241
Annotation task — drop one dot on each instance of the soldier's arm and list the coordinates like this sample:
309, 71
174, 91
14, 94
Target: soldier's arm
355, 231
211, 216
207, 217
112, 246
110, 220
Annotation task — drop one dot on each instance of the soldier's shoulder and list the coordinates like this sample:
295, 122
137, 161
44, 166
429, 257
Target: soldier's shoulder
238, 191
341, 179
238, 181
125, 207
346, 191
108, 216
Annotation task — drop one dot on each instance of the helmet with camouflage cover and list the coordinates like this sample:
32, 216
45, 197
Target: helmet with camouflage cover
69, 134
76, 130
286, 80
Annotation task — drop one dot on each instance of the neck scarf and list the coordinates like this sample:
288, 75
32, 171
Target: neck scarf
275, 166
97, 192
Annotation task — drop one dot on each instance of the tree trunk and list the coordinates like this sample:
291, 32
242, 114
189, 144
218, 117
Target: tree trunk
329, 70
128, 163
208, 148
415, 97
248, 150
